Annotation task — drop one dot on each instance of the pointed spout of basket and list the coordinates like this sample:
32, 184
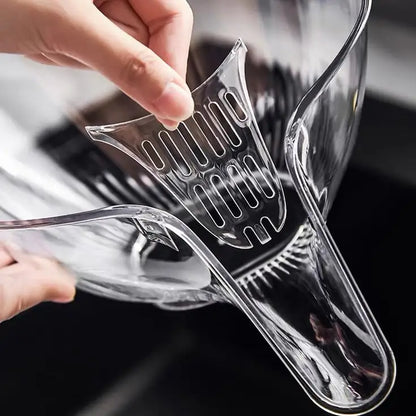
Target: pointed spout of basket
317, 322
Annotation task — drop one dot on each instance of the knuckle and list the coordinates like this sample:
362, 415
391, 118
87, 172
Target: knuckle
137, 68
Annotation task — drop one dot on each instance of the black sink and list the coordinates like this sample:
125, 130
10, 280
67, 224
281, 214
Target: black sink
99, 357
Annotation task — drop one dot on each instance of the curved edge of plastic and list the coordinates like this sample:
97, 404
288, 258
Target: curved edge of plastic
294, 153
229, 289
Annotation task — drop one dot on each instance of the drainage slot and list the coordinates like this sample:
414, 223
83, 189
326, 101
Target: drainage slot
211, 210
224, 125
236, 108
152, 155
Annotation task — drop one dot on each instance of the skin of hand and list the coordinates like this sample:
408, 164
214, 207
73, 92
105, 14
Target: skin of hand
26, 280
140, 45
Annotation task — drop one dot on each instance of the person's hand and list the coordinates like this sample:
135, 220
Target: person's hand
140, 45
26, 280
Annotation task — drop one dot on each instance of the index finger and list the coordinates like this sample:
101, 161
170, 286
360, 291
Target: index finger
170, 27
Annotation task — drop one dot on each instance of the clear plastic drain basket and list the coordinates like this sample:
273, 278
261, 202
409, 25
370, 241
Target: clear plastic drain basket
232, 206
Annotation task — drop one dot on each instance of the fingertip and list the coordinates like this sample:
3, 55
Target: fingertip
168, 124
62, 287
64, 299
174, 104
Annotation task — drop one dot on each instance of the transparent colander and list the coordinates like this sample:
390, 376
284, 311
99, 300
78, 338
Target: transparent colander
114, 225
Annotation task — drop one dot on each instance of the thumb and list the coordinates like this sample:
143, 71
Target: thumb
100, 44
25, 285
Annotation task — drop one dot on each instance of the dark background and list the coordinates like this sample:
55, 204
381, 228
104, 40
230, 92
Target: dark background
402, 12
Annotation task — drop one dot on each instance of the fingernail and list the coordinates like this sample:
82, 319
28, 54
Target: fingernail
175, 103
169, 124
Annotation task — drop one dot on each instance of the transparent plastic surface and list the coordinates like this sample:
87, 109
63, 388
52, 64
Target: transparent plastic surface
216, 163
305, 79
